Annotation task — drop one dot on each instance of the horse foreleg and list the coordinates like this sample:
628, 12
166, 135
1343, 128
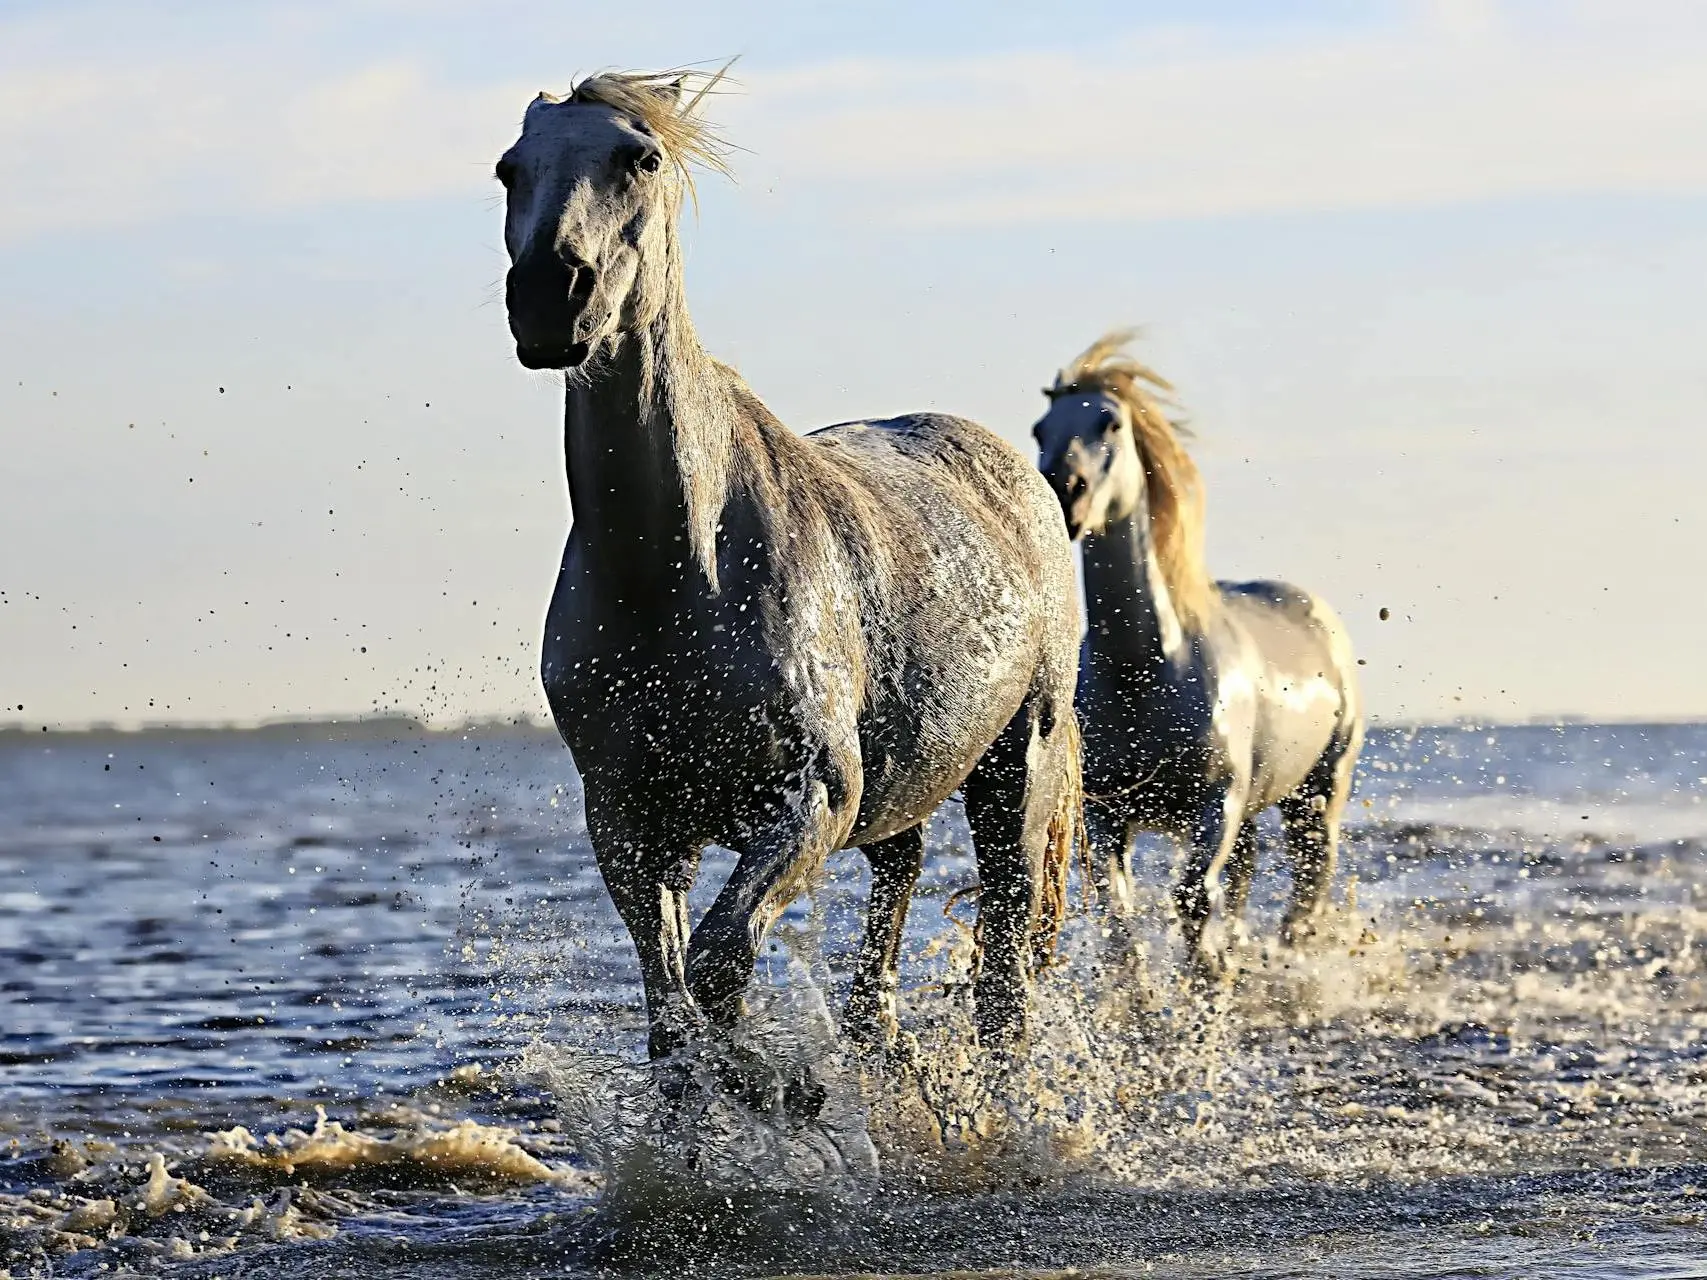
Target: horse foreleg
773, 869
1311, 816
1199, 896
1241, 870
871, 1016
650, 894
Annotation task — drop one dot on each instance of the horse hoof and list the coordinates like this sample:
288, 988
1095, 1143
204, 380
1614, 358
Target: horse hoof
1297, 933
749, 1081
672, 1078
1120, 948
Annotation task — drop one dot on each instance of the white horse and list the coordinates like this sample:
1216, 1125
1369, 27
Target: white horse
781, 645
1202, 703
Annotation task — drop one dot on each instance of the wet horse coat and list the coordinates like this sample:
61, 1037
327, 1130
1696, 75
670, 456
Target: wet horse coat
781, 645
1202, 703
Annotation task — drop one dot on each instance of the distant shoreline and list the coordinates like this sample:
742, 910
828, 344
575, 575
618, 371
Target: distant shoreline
352, 729
381, 728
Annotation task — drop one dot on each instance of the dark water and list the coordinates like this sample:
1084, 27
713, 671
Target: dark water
1496, 1064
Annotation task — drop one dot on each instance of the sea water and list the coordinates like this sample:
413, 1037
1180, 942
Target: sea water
307, 1002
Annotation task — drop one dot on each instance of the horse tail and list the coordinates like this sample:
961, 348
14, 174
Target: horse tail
1066, 829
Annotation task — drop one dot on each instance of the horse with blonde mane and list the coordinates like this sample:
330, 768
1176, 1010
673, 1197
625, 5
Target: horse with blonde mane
781, 645
1202, 703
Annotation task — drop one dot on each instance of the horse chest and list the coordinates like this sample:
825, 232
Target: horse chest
656, 705
1148, 728
688, 723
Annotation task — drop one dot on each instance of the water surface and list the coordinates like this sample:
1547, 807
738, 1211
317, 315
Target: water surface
293, 1004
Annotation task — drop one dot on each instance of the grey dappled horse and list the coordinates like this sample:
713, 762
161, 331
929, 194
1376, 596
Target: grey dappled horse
781, 645
1201, 703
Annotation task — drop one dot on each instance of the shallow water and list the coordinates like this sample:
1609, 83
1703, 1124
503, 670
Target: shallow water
275, 1004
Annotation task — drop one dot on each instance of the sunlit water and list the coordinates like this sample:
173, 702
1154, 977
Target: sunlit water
272, 1004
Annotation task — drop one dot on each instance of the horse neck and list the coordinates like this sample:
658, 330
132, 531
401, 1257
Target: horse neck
647, 441
1127, 602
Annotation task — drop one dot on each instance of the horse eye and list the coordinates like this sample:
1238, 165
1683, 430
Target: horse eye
649, 162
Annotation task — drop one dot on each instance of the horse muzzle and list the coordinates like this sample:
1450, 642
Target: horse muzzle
552, 357
1075, 498
548, 306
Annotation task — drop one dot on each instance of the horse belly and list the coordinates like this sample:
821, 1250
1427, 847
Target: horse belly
925, 729
907, 775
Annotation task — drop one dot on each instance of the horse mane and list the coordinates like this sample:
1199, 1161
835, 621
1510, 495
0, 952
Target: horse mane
1175, 487
667, 103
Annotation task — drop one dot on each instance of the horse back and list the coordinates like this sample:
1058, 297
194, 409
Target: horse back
930, 491
937, 459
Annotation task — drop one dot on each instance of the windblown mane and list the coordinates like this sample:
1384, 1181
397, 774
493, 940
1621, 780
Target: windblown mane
667, 102
1175, 489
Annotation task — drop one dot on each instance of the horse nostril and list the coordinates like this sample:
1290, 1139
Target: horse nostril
580, 287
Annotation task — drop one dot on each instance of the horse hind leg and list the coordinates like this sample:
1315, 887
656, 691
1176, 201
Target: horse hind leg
1110, 857
872, 1014
1018, 798
1311, 818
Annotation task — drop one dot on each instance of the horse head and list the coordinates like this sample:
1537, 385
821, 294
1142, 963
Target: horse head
1089, 455
1113, 452
592, 188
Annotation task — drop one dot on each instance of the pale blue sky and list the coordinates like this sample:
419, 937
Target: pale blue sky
1427, 275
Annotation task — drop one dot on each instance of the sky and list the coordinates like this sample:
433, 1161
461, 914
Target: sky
1426, 275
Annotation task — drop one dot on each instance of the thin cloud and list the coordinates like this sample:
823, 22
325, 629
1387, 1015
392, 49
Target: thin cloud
1468, 105
1468, 101
91, 146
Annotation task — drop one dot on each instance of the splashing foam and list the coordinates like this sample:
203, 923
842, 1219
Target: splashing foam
165, 1217
1394, 1046
147, 1210
714, 1123
467, 1153
1133, 1074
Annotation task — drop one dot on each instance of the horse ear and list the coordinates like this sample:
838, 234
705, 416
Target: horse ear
671, 91
543, 100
